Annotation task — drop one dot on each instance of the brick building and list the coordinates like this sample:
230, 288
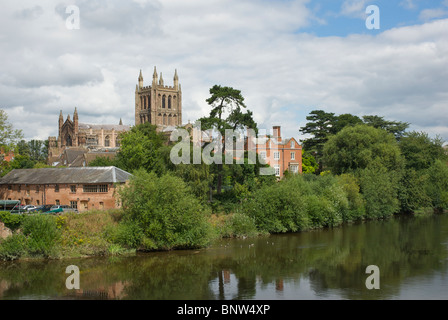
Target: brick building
80, 188
281, 154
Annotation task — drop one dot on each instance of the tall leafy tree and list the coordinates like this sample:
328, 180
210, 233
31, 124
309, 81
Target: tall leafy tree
397, 128
320, 127
420, 150
9, 137
227, 106
140, 148
357, 147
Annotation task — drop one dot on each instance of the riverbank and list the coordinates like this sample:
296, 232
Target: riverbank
103, 233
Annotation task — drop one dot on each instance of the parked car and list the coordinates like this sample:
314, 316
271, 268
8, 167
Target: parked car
35, 209
61, 208
29, 207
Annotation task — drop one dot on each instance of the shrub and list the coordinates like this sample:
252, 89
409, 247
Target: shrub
169, 215
240, 225
42, 234
11, 221
128, 234
13, 247
278, 208
356, 206
379, 189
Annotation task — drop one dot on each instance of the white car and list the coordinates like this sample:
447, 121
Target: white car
29, 207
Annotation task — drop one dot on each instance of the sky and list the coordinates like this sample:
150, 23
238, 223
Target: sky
288, 57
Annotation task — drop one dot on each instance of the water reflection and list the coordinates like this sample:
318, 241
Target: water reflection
324, 264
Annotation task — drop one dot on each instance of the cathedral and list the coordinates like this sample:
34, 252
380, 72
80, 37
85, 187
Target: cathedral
157, 104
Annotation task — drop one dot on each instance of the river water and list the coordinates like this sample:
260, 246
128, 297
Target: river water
410, 253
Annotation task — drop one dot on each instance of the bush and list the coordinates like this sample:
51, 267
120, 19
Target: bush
379, 188
356, 207
278, 208
13, 247
42, 234
128, 234
170, 216
240, 225
437, 186
11, 221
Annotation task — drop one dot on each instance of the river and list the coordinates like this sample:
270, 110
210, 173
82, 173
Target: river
411, 255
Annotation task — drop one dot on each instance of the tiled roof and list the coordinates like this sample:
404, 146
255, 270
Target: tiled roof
115, 127
66, 175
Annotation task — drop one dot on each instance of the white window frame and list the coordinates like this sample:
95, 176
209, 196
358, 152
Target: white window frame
277, 170
276, 155
263, 155
293, 156
293, 144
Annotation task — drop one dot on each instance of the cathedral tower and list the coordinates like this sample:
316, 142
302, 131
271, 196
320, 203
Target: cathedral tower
158, 104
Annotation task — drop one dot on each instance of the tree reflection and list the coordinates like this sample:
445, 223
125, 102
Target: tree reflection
332, 261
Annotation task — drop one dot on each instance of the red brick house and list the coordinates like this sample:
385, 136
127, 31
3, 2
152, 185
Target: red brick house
281, 154
80, 187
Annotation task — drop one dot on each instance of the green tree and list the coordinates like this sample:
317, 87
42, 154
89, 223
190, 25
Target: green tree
227, 106
437, 185
411, 191
140, 148
9, 137
355, 148
344, 120
320, 127
103, 162
397, 128
309, 163
166, 211
420, 150
379, 190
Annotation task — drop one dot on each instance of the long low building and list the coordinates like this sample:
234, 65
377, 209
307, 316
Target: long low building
81, 188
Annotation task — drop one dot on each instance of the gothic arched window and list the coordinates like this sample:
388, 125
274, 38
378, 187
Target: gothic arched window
163, 101
107, 141
169, 102
68, 141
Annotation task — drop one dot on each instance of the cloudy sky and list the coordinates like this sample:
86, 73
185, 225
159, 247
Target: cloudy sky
288, 57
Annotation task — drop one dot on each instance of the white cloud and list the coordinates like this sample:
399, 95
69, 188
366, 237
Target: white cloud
429, 14
283, 74
354, 8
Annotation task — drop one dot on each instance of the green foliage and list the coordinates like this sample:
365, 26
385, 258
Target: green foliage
379, 189
13, 247
320, 127
421, 151
167, 212
356, 204
128, 234
11, 221
227, 104
103, 162
278, 208
411, 191
240, 225
437, 185
309, 163
140, 149
9, 137
357, 147
42, 234
397, 128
